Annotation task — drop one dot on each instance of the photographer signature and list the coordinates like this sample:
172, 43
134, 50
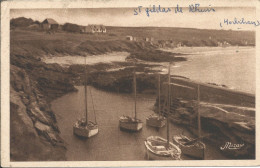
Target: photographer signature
231, 146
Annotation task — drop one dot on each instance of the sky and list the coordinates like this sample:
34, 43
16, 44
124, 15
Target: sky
125, 17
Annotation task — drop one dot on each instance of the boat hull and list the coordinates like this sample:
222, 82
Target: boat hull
155, 121
85, 131
153, 156
173, 153
196, 150
130, 125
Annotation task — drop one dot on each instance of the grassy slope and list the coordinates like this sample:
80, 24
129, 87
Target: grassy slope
38, 42
195, 37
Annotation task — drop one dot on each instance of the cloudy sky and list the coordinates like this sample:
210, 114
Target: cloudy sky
126, 17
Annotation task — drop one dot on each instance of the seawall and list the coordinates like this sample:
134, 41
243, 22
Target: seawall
209, 93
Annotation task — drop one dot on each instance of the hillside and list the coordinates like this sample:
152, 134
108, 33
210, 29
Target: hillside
162, 36
189, 36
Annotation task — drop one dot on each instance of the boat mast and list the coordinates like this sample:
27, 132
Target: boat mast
135, 91
85, 86
159, 95
169, 104
198, 110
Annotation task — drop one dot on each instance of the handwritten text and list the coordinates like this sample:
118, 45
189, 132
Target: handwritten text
193, 8
241, 21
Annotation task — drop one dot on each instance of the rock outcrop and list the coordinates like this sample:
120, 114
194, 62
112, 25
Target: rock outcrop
34, 131
220, 123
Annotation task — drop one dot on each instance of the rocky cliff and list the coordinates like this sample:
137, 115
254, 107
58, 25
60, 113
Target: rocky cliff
34, 131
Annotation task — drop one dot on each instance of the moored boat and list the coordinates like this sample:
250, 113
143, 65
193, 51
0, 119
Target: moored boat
83, 127
157, 149
156, 120
192, 147
131, 123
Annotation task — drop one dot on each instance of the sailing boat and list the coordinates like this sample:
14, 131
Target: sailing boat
131, 123
158, 148
83, 127
155, 120
192, 147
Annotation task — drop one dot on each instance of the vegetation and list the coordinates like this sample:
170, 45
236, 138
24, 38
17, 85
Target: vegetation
186, 36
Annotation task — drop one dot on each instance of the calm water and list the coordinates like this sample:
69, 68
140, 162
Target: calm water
110, 143
230, 66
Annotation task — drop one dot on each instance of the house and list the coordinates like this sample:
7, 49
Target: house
130, 38
96, 29
147, 39
245, 42
220, 44
179, 44
103, 28
50, 24
225, 44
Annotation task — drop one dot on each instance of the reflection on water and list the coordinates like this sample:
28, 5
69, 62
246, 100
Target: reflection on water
110, 143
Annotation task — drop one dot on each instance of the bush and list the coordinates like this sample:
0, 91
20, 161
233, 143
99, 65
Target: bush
112, 34
71, 27
21, 22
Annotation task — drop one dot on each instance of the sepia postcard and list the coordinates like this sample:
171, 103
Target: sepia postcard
110, 83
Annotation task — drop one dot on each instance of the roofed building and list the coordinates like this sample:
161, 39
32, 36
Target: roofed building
97, 28
130, 38
50, 24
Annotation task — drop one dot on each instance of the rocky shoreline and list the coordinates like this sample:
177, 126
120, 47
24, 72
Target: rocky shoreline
221, 123
34, 131
34, 84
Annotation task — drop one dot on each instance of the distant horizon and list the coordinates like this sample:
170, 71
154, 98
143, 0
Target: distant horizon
150, 26
124, 17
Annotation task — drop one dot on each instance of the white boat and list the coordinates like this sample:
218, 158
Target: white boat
192, 147
83, 127
157, 120
158, 148
131, 123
